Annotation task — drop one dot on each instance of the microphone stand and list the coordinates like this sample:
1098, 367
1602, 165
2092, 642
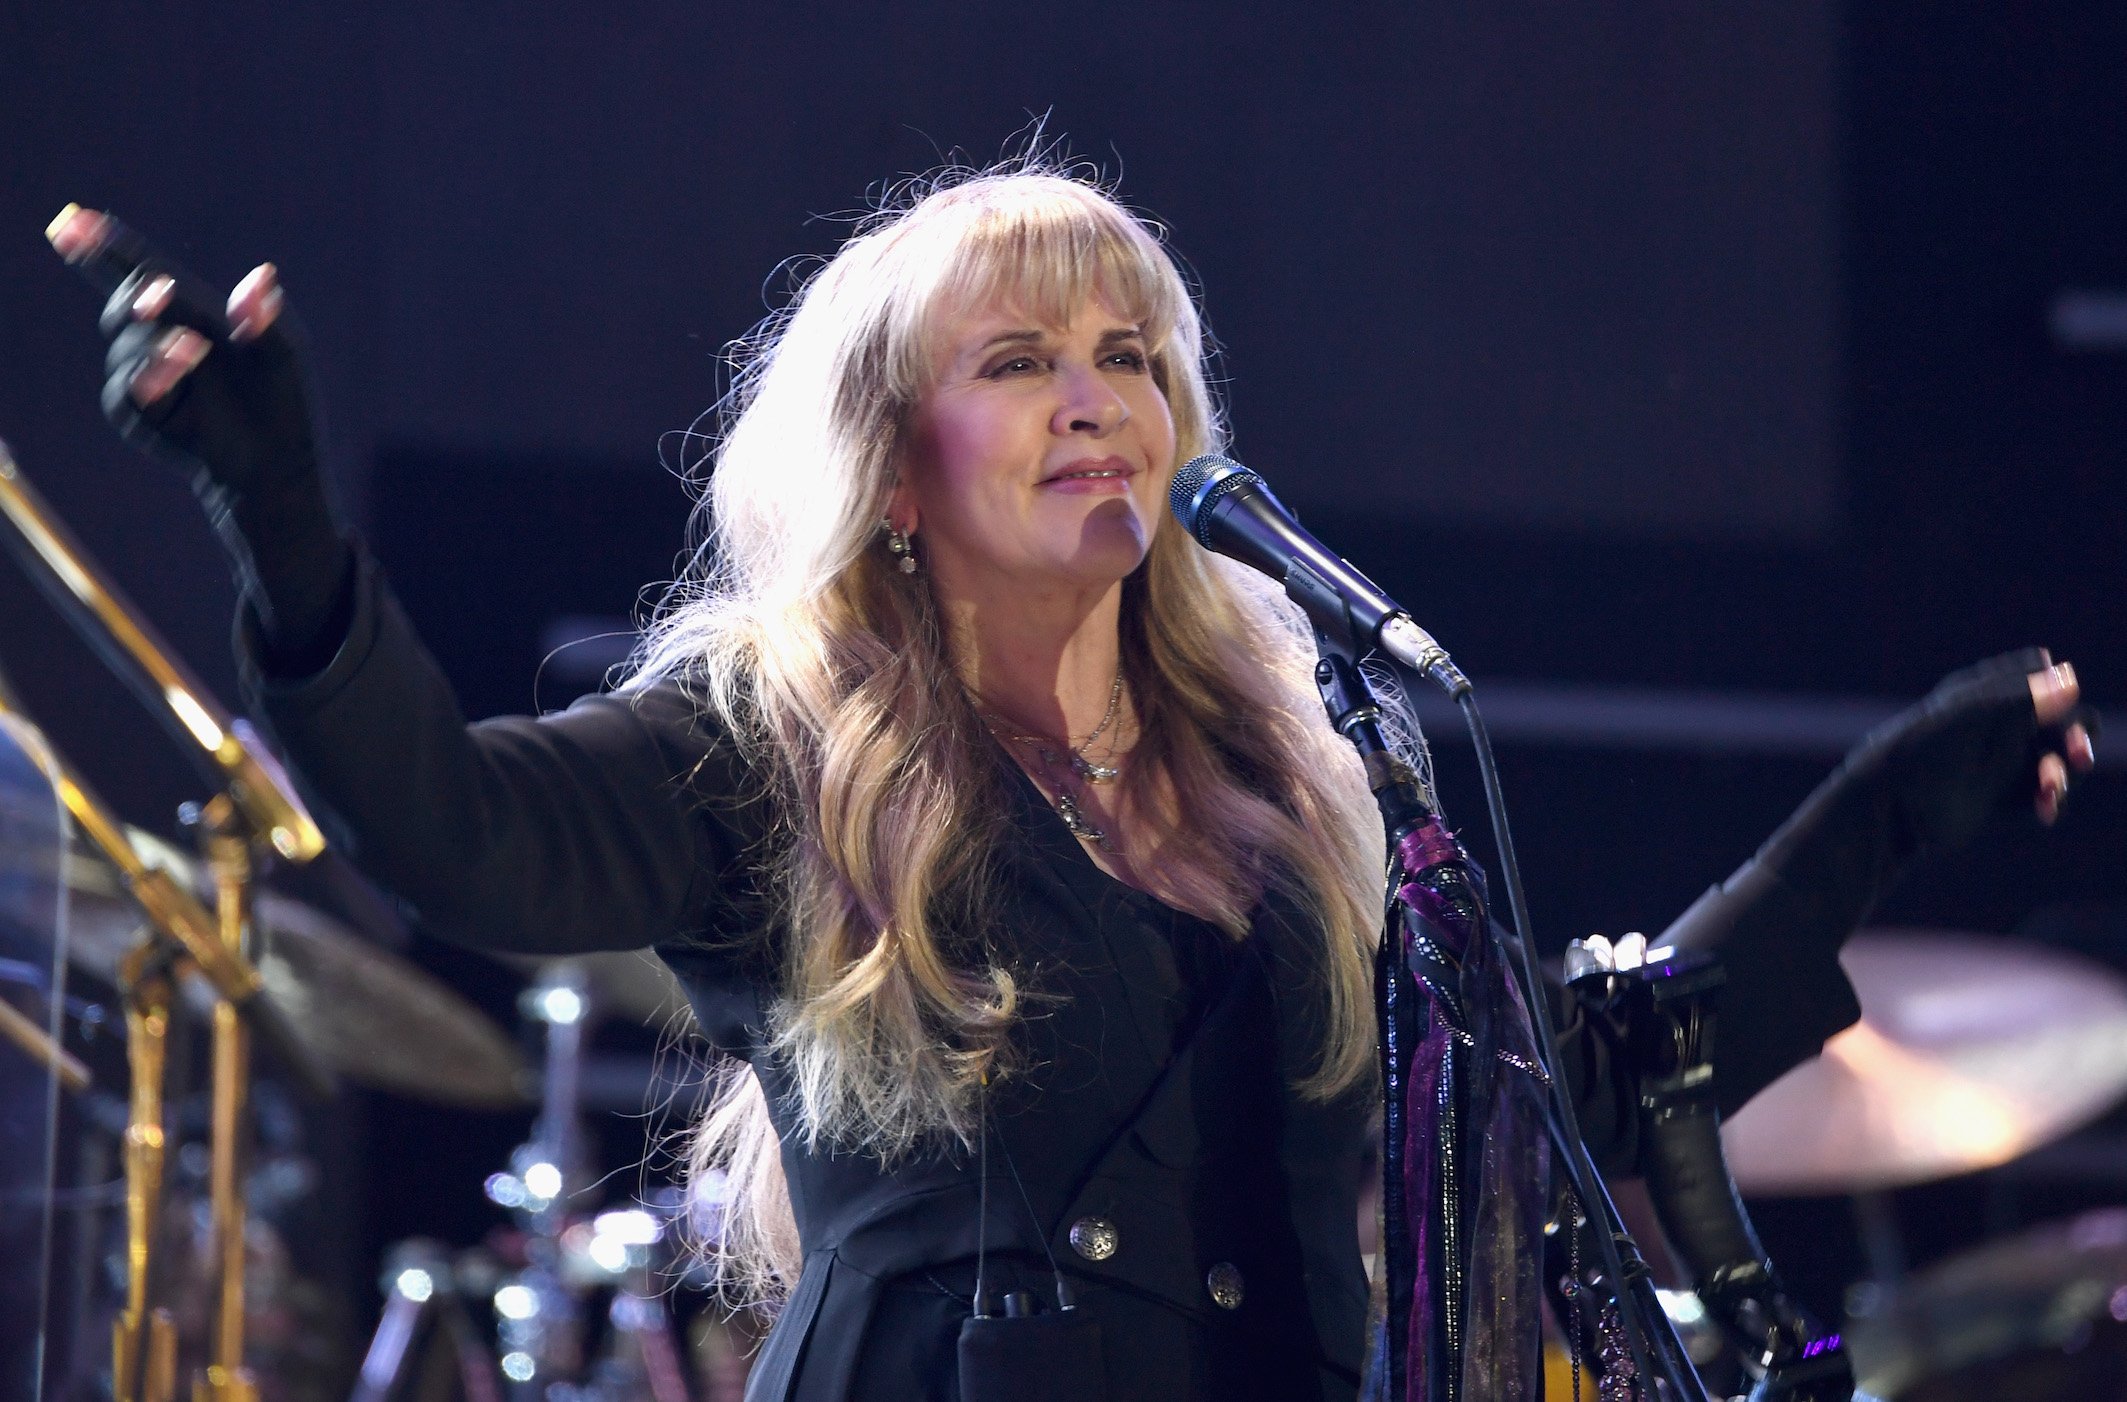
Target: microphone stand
256, 812
1649, 1334
1658, 1356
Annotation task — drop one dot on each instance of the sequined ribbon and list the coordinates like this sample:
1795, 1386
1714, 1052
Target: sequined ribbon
1476, 1233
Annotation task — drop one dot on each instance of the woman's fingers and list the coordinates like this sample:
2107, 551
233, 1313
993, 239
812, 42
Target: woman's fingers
177, 354
2052, 787
76, 231
255, 303
153, 298
2082, 751
146, 294
2054, 692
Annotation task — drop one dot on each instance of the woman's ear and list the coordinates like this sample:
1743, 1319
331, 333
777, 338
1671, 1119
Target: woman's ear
901, 512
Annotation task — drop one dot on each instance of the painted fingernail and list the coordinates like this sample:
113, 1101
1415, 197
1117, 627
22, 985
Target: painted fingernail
250, 328
153, 297
74, 232
150, 383
2063, 676
186, 349
57, 227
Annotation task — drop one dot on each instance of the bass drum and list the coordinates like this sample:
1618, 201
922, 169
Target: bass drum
2037, 1317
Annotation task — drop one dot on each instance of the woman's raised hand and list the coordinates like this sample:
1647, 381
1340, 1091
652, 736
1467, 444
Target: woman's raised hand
2055, 695
220, 387
217, 384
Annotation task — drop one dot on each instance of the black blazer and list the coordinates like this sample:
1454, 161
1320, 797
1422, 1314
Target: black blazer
1148, 1137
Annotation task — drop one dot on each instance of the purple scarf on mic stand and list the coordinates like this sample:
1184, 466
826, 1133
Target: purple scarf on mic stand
1476, 1157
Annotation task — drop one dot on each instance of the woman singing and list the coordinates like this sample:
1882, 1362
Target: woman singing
992, 826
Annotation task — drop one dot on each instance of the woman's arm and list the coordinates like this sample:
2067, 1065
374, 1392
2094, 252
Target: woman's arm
611, 825
599, 828
1997, 737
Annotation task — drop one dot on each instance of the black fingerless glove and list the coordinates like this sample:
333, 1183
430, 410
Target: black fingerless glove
242, 424
1924, 782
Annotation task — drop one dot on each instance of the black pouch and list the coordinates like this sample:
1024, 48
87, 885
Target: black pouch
1031, 1358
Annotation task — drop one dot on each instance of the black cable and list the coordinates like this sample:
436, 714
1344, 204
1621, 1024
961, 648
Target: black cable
1572, 1149
1065, 1300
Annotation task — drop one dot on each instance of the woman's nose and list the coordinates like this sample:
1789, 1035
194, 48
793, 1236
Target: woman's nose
1090, 404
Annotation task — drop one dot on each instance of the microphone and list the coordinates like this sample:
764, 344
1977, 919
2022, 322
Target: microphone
1231, 510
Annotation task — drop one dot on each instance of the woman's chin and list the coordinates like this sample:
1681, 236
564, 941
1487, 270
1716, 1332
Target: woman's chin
1098, 568
1111, 543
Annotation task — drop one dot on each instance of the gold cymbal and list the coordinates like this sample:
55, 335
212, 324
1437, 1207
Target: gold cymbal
632, 984
2039, 1314
1971, 1051
364, 1012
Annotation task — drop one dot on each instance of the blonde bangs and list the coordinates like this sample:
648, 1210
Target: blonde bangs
1041, 245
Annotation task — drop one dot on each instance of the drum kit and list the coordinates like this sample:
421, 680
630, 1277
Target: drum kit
180, 1263
1971, 1052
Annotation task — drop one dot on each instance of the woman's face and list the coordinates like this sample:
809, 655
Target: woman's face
1041, 455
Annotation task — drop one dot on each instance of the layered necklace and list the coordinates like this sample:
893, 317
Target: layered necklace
1068, 762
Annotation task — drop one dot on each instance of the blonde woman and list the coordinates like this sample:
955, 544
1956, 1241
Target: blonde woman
992, 826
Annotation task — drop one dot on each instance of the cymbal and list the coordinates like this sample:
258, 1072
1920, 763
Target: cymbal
362, 1011
2042, 1314
1971, 1051
630, 983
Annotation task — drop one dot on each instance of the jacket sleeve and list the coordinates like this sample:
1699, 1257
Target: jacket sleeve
616, 824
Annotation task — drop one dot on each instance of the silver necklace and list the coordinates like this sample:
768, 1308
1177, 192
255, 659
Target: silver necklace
1071, 761
1073, 757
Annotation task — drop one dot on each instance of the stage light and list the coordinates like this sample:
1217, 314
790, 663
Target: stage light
542, 1181
516, 1302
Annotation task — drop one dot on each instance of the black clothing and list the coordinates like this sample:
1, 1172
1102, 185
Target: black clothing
1158, 1063
1157, 1054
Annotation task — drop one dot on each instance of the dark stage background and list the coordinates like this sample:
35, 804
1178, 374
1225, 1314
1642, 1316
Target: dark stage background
1771, 354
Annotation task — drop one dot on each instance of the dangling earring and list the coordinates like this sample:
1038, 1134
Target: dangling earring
897, 545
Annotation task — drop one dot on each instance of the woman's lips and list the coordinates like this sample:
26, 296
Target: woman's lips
1092, 477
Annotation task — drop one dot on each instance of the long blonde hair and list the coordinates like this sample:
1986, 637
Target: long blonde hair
830, 671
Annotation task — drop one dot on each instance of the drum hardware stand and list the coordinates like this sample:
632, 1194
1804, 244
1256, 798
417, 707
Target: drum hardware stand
542, 1323
181, 935
144, 1338
226, 845
541, 1306
257, 810
1665, 1003
38, 1045
34, 1041
418, 1282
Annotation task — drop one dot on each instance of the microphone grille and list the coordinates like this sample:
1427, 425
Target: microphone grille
1196, 485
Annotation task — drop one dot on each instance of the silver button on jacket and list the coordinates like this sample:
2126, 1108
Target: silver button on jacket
1095, 1238
1225, 1284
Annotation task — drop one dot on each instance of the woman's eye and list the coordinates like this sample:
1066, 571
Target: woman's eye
1017, 365
1128, 360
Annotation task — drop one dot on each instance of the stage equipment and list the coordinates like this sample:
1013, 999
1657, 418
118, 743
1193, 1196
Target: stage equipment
34, 1065
633, 984
1971, 1051
359, 1011
1663, 1005
256, 813
1456, 1010
1227, 508
563, 1254
2039, 1317
1231, 510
